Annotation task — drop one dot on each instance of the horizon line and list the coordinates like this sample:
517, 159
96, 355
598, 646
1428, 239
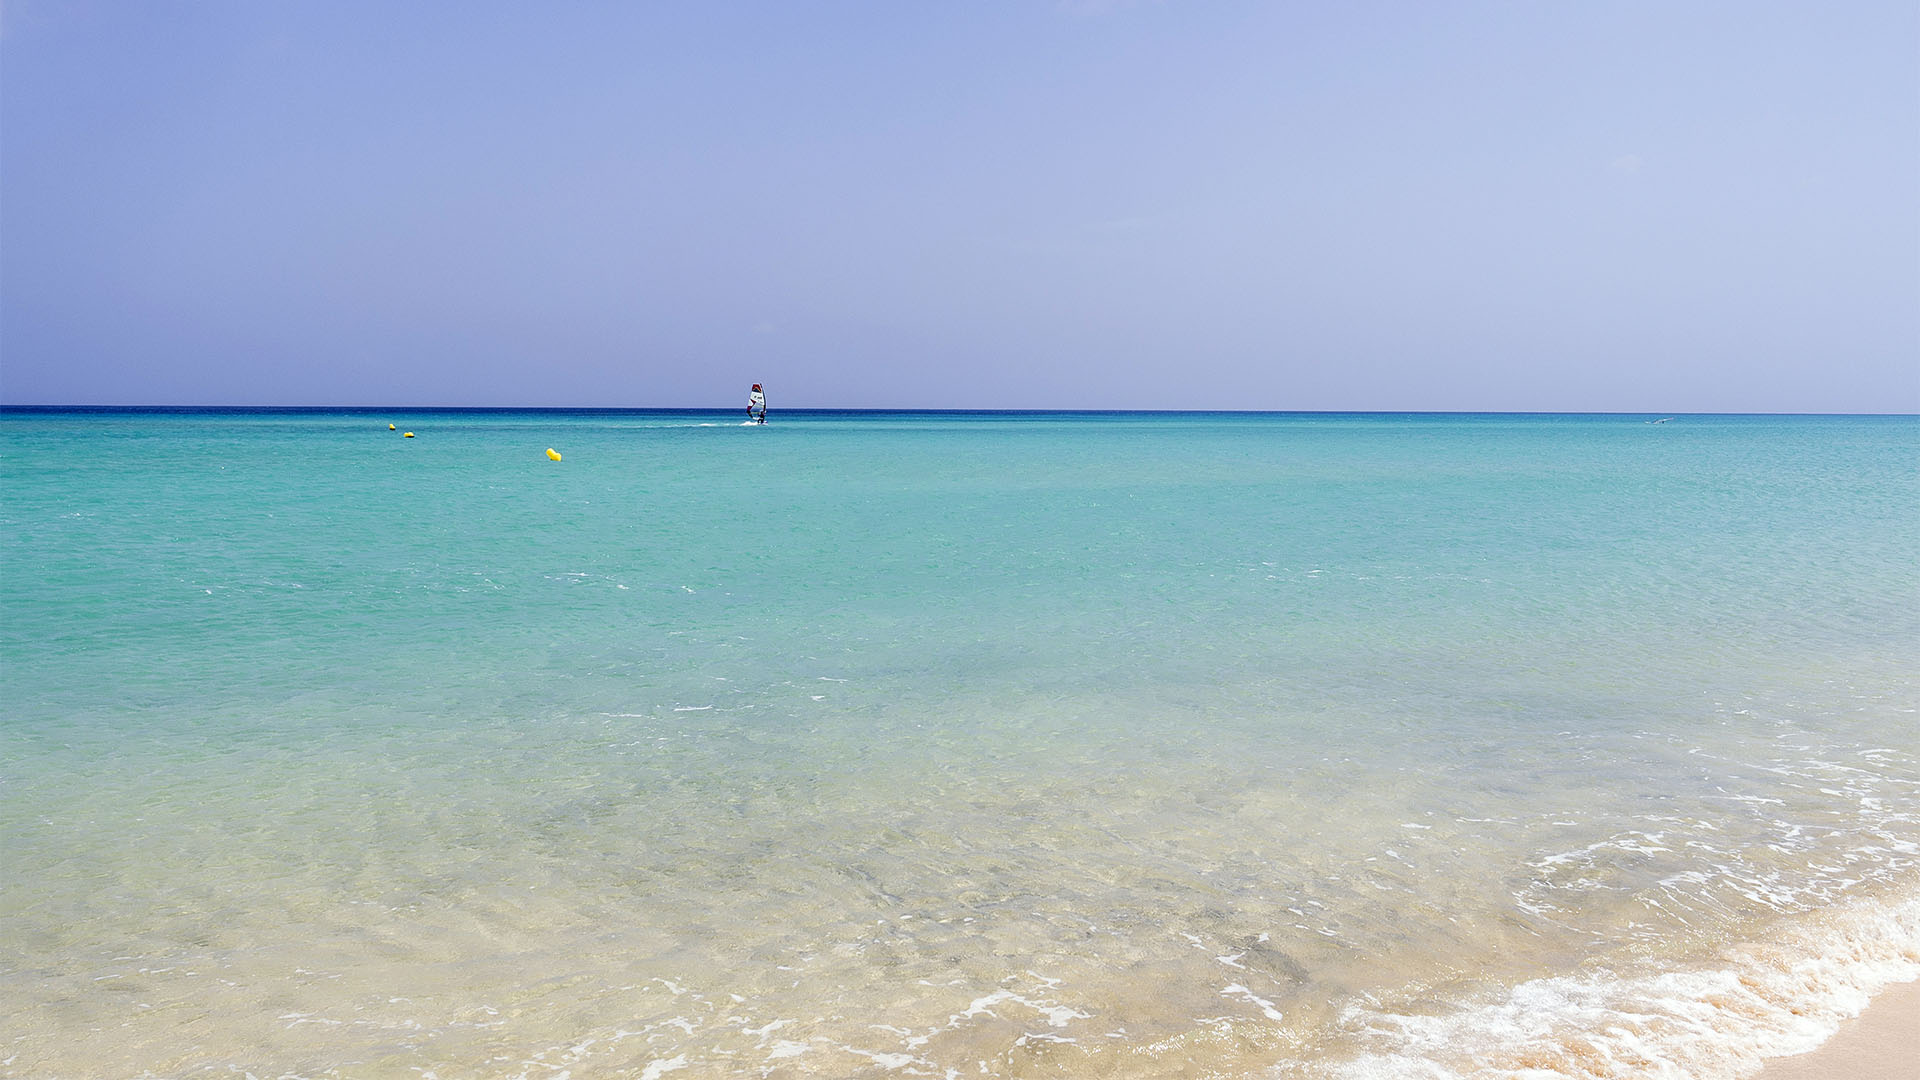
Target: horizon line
896, 410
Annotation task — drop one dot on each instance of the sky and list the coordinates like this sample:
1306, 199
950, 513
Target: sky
1529, 206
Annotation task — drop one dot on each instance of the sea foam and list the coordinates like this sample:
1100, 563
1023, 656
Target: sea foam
1758, 999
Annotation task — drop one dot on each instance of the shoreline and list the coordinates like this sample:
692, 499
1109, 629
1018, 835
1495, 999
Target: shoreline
1881, 1043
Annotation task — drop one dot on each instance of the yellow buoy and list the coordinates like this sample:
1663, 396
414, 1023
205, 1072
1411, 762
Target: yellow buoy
390, 427
408, 435
552, 453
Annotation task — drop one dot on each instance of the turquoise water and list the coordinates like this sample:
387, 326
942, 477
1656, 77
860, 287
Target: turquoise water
952, 745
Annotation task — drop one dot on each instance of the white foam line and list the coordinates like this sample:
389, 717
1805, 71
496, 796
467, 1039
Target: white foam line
761, 1032
1265, 1006
1056, 1015
886, 1061
1766, 998
786, 1048
659, 1067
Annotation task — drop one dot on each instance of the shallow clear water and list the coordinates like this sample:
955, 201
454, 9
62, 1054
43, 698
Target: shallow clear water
951, 745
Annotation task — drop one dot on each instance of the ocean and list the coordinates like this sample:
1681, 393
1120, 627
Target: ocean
951, 744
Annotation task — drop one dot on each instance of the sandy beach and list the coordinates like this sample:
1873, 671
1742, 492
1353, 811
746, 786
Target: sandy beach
1882, 1043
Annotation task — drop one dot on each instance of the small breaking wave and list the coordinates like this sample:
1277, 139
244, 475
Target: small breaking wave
1758, 999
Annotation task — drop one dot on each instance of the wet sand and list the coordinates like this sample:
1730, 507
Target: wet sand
1882, 1043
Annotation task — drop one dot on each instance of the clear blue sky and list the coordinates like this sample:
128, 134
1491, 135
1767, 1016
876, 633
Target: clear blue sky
1536, 206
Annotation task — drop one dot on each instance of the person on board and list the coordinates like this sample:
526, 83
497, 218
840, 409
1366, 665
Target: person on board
757, 405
